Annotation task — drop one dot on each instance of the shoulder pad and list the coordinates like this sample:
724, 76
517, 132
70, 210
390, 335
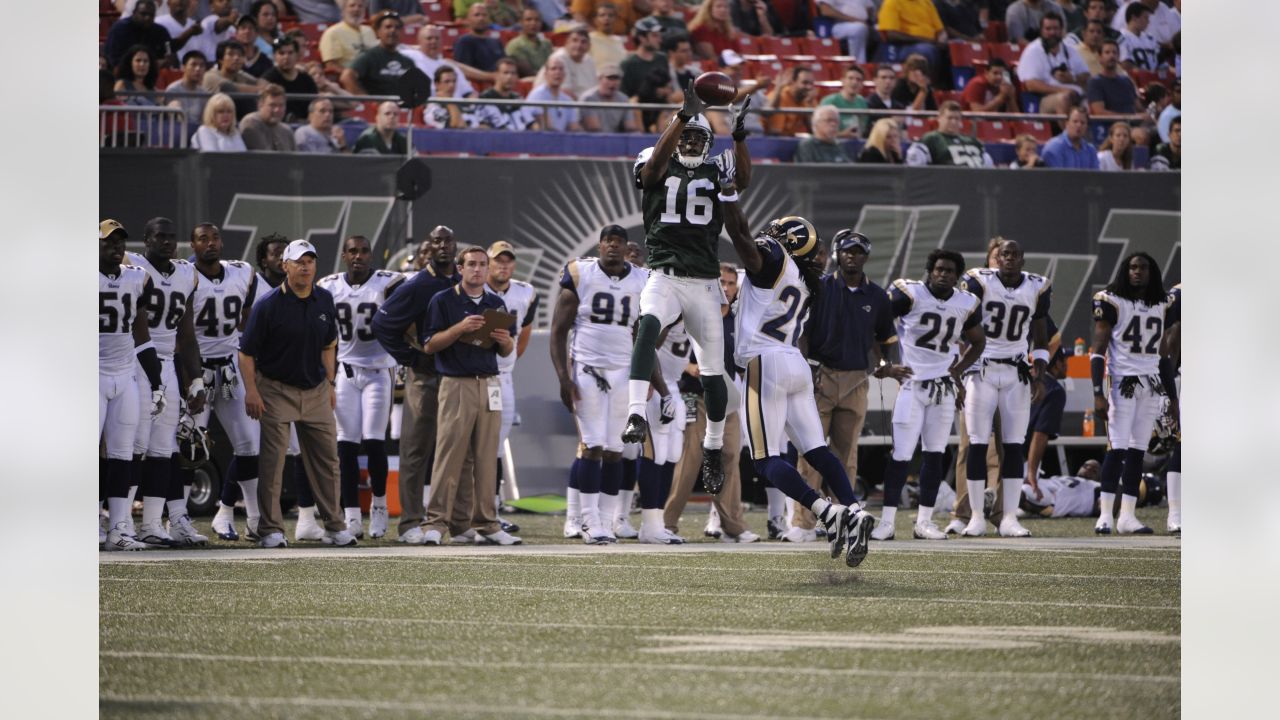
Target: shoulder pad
237, 263
522, 283
384, 273
179, 261
330, 278
973, 272
1104, 296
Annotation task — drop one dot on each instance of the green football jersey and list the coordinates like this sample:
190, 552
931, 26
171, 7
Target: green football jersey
682, 216
960, 150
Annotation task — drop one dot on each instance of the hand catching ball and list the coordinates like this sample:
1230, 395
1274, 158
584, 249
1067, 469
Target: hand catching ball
715, 88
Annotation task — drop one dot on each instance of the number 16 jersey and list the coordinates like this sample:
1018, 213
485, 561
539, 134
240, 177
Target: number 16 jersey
218, 304
608, 306
930, 328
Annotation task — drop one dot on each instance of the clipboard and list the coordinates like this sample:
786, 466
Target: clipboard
493, 319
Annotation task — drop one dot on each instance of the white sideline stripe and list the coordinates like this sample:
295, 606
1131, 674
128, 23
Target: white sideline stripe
358, 620
658, 593
663, 667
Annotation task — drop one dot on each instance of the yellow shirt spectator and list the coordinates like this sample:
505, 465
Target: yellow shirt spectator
918, 18
342, 43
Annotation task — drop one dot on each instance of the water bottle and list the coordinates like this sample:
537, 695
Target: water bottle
1087, 429
1080, 348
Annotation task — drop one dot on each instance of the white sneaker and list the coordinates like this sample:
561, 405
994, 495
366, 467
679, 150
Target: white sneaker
800, 535
431, 537
307, 527
155, 535
502, 537
339, 538
1131, 525
1010, 527
977, 527
624, 530
224, 524
377, 522
659, 537
273, 540
746, 537
572, 527
120, 539
883, 531
184, 532
955, 526
355, 526
465, 538
927, 531
412, 536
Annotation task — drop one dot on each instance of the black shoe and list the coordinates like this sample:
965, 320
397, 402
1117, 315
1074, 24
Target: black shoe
509, 527
774, 531
712, 471
636, 430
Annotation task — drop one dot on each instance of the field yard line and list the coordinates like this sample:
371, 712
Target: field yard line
421, 621
659, 593
735, 667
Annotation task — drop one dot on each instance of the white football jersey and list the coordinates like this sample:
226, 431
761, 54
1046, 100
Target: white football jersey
119, 299
166, 300
772, 305
1007, 312
355, 306
929, 329
264, 287
1142, 50
1136, 329
218, 306
608, 307
674, 354
522, 301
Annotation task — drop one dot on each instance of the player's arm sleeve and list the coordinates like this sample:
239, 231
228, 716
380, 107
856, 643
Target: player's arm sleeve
1043, 300
900, 301
773, 260
393, 318
529, 314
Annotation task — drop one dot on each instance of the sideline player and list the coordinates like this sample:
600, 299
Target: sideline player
173, 282
682, 217
1129, 317
1173, 349
1015, 309
782, 278
124, 343
224, 295
365, 380
931, 318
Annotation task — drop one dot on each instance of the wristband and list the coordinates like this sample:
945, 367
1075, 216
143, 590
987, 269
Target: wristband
729, 198
814, 363
739, 136
1097, 368
1040, 354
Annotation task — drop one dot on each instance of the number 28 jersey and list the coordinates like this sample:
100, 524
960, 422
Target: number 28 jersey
607, 308
930, 328
218, 304
1136, 329
166, 300
771, 305
1007, 312
356, 305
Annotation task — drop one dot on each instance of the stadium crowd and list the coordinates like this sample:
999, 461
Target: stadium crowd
932, 62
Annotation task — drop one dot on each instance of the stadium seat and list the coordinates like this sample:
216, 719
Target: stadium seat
1143, 78
828, 87
558, 39
312, 31
914, 128
506, 36
964, 56
167, 76
822, 47
989, 131
748, 45
996, 32
941, 96
1008, 52
780, 46
438, 12
1037, 129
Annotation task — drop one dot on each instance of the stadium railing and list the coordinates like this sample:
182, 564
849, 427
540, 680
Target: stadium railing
146, 126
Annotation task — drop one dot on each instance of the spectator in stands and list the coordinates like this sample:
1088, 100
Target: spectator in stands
180, 26
139, 28
1072, 15
606, 46
624, 15
286, 74
621, 120
913, 90
991, 91
264, 129
1071, 149
137, 72
1116, 152
822, 146
1171, 111
507, 117
1089, 45
1164, 24
229, 76
218, 131
850, 98
947, 145
427, 56
382, 137
911, 27
377, 70
672, 22
798, 92
884, 143
1168, 156
322, 81
560, 119
753, 17
1111, 92
476, 48
448, 115
193, 69
684, 69
961, 19
1051, 69
216, 28
410, 10
712, 30
1022, 18
852, 23
502, 15
343, 42
529, 49
256, 62
268, 18
881, 98
646, 73
579, 66
1138, 49
794, 18
316, 11
320, 135
1098, 11
1028, 153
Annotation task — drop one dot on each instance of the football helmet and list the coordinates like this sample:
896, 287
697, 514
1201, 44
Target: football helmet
1165, 435
193, 440
695, 142
797, 235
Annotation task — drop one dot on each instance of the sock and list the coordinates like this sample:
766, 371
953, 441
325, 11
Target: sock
833, 474
1011, 492
651, 521
890, 513
349, 473
610, 477
637, 388
119, 506
667, 472
231, 491
714, 438
179, 486
1173, 486
376, 452
975, 472
644, 354
118, 509
155, 488
895, 476
353, 515
787, 479
1132, 475
152, 510
248, 481
1106, 506
977, 489
777, 502
573, 507
301, 485
306, 514
590, 507
1112, 465
930, 478
379, 501
625, 499
608, 510
629, 469
650, 482
589, 472
133, 488
1128, 503
924, 514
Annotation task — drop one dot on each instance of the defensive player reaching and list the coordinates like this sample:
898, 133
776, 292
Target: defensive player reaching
365, 379
932, 316
782, 277
1129, 318
173, 283
1015, 308
682, 217
221, 304
1173, 348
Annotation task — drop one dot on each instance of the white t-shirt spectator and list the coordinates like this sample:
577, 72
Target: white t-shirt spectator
207, 139
856, 9
579, 77
1142, 50
558, 118
1165, 22
1036, 64
206, 42
1107, 161
428, 66
168, 23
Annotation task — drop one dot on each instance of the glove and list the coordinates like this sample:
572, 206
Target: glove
693, 104
668, 408
738, 117
196, 387
229, 381
157, 402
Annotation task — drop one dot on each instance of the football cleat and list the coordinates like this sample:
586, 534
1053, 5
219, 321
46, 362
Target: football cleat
955, 526
184, 532
977, 527
502, 537
775, 526
636, 430
377, 522
224, 524
155, 535
338, 538
572, 527
120, 539
1010, 527
746, 537
861, 524
659, 537
508, 527
251, 530
1173, 529
712, 530
595, 533
464, 538
431, 537
883, 531
355, 526
835, 520
799, 535
623, 529
273, 540
1102, 527
1131, 525
712, 471
927, 531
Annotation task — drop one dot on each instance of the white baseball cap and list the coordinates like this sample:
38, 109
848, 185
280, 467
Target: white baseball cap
298, 248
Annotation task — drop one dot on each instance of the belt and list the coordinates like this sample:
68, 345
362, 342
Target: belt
674, 272
215, 362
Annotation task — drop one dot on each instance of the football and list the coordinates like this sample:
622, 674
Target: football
715, 88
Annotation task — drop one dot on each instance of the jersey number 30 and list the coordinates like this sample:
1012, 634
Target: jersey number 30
697, 208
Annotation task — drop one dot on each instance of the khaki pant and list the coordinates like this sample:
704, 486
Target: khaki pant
994, 451
417, 443
312, 417
466, 430
729, 502
842, 406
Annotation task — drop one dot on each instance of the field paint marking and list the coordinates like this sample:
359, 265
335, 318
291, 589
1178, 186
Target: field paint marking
1053, 678
417, 621
658, 593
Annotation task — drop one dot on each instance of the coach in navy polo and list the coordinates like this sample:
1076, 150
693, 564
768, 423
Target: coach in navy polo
848, 319
288, 358
470, 414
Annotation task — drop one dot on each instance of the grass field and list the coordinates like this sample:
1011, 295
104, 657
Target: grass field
1061, 625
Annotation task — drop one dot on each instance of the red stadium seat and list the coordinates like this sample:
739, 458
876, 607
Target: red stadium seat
438, 12
312, 31
994, 131
558, 39
1143, 78
780, 46
996, 32
1008, 52
167, 76
822, 47
915, 128
941, 96
506, 36
1041, 131
965, 53
749, 45
828, 87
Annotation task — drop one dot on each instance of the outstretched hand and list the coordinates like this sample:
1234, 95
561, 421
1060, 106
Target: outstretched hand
693, 105
738, 115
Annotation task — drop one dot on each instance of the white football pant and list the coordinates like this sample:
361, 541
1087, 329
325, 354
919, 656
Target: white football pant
668, 439
241, 429
118, 413
778, 404
1131, 421
916, 418
601, 415
363, 403
667, 297
996, 386
158, 437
